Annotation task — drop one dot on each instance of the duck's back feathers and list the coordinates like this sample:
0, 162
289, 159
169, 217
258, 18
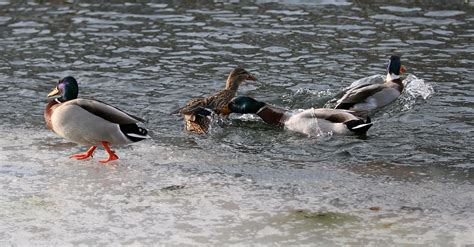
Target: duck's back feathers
352, 122
105, 111
190, 106
358, 95
217, 103
367, 98
335, 116
327, 120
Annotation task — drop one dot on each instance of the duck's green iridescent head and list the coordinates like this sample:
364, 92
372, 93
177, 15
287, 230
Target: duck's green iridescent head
245, 104
67, 89
395, 66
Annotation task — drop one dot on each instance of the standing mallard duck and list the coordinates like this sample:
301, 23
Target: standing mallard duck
366, 98
217, 103
90, 122
308, 122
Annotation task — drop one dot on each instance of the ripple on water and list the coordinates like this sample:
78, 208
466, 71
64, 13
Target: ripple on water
445, 13
399, 9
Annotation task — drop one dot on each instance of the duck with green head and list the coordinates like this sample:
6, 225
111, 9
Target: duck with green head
308, 122
370, 97
90, 122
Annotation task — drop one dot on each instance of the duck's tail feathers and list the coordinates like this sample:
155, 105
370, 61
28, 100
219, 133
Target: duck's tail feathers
133, 132
359, 126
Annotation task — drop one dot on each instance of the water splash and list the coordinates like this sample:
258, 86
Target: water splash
248, 117
414, 88
305, 98
216, 123
302, 123
307, 91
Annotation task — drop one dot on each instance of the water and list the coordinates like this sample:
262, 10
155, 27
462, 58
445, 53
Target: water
410, 181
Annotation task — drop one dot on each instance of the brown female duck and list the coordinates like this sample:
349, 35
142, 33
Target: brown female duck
218, 103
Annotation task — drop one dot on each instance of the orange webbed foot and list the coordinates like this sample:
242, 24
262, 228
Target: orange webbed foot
85, 155
112, 155
80, 156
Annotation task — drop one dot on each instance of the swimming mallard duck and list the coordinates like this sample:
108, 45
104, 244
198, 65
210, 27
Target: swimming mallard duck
309, 121
218, 102
90, 122
366, 98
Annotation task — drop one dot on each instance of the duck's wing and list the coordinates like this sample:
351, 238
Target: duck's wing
358, 94
219, 101
204, 112
334, 115
216, 103
105, 111
192, 104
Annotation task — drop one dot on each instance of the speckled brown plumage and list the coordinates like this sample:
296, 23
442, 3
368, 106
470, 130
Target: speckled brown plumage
217, 102
199, 124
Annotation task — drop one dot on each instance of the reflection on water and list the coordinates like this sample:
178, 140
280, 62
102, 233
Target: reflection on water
409, 181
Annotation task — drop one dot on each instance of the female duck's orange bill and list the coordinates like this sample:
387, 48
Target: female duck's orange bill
403, 69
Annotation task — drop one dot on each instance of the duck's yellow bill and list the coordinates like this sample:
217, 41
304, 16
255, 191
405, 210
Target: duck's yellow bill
54, 92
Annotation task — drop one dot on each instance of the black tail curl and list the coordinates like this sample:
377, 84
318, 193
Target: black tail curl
359, 126
133, 132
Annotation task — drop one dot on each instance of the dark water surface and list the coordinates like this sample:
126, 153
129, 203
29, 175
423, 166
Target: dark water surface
410, 181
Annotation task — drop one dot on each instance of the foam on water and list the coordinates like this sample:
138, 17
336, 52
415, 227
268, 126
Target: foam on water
415, 89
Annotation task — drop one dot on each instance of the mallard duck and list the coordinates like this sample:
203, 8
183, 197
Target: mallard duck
367, 98
90, 122
309, 121
217, 103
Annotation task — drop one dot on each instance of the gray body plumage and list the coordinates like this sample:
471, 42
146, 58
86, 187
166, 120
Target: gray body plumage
367, 98
89, 122
314, 121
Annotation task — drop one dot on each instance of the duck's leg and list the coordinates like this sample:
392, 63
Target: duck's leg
84, 155
112, 155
